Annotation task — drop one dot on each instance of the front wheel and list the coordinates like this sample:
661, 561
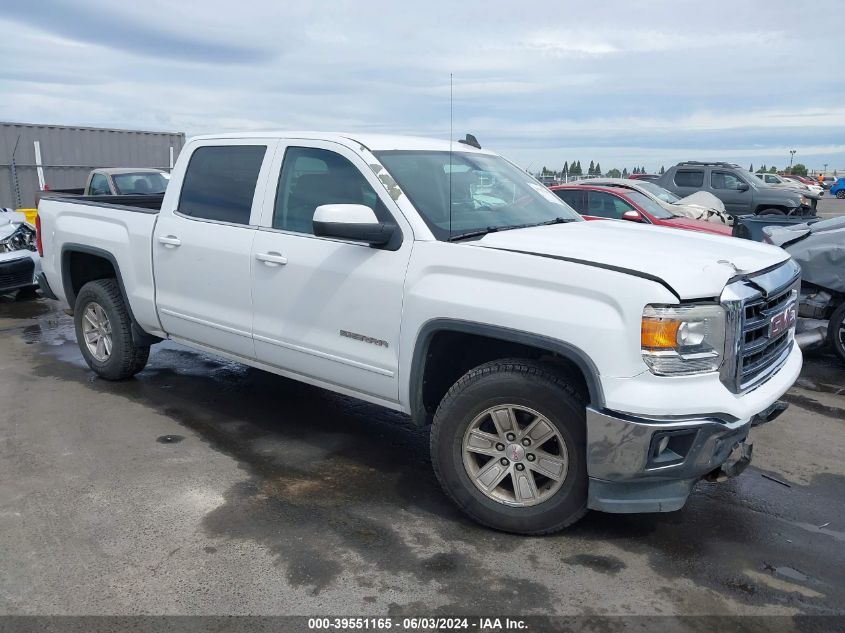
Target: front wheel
104, 331
836, 332
508, 446
771, 212
840, 194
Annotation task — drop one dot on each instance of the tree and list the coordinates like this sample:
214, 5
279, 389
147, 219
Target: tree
591, 170
762, 169
614, 173
773, 170
566, 167
598, 169
575, 169
799, 169
624, 171
751, 168
636, 170
662, 170
642, 170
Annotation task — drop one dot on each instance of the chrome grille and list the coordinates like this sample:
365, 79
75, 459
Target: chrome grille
751, 302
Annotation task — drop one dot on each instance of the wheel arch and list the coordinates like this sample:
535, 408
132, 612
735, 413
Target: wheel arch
570, 356
105, 266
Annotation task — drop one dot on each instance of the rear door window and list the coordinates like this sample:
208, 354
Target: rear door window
689, 177
573, 198
220, 182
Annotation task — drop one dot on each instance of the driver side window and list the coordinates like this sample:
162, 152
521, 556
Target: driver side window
605, 205
312, 177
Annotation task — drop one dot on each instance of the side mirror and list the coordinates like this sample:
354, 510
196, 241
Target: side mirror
633, 216
743, 186
356, 222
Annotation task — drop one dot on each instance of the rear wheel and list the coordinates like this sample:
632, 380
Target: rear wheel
104, 331
508, 446
836, 332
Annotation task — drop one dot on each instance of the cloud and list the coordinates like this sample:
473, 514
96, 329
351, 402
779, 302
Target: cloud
105, 26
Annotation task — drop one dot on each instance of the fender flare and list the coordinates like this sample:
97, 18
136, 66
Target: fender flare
566, 350
139, 335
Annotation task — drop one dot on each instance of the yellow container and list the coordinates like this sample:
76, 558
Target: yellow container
30, 215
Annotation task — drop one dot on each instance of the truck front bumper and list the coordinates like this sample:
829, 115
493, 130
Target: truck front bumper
639, 464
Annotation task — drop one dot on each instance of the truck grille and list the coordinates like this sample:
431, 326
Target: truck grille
757, 352
16, 274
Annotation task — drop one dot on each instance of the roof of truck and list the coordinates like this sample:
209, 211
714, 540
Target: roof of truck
128, 170
373, 142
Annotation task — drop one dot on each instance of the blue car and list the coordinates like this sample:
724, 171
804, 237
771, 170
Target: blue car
838, 188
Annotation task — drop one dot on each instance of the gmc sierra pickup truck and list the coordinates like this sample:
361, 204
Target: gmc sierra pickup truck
563, 365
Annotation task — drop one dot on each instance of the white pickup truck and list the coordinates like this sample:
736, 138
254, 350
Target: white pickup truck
564, 365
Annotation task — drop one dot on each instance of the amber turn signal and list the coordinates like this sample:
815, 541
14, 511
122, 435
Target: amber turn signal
659, 333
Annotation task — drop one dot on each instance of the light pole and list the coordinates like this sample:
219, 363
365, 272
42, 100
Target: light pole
825, 169
791, 156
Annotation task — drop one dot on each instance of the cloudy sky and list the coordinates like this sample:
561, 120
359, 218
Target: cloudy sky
648, 82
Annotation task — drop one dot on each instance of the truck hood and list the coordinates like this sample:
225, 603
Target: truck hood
694, 265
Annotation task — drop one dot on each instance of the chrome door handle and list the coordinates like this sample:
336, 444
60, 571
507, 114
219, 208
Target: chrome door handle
170, 241
272, 258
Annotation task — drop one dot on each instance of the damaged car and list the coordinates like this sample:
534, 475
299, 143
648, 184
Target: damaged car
819, 248
19, 261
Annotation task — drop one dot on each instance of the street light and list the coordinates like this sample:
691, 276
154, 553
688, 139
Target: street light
825, 168
791, 156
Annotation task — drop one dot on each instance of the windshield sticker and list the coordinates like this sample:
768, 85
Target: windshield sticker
387, 180
548, 195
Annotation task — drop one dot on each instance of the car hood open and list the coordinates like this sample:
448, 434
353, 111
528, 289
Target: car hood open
694, 265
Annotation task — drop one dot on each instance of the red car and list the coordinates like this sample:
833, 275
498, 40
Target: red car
612, 203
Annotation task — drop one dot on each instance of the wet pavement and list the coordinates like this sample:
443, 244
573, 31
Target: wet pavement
206, 487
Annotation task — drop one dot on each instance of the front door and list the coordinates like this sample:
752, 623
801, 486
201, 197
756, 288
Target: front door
325, 308
726, 187
202, 250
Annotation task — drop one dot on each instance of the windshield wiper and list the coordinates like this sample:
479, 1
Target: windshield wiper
507, 227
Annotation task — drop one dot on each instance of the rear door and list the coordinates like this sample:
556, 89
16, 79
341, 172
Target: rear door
574, 198
601, 204
202, 248
326, 308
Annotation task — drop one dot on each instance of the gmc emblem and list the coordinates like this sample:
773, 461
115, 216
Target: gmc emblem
782, 320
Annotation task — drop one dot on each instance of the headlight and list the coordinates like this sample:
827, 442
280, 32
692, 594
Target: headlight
805, 201
683, 340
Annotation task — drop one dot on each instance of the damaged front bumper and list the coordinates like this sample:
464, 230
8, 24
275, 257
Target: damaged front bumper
650, 465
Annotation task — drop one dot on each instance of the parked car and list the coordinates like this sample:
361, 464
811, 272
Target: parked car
838, 189
699, 206
613, 203
564, 365
738, 188
121, 181
19, 263
776, 180
819, 249
804, 179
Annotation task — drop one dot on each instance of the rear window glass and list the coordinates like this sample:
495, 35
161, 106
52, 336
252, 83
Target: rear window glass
220, 182
689, 177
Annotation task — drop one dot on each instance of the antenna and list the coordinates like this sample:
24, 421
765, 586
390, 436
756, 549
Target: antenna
450, 155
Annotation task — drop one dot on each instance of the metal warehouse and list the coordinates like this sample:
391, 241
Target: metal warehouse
59, 157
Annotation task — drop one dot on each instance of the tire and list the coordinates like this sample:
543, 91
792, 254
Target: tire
836, 332
771, 211
523, 385
840, 194
122, 358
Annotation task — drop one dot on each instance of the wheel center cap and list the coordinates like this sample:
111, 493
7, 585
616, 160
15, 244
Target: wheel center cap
515, 452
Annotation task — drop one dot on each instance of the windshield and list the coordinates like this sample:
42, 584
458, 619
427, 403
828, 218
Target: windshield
750, 178
659, 192
651, 207
487, 192
140, 183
